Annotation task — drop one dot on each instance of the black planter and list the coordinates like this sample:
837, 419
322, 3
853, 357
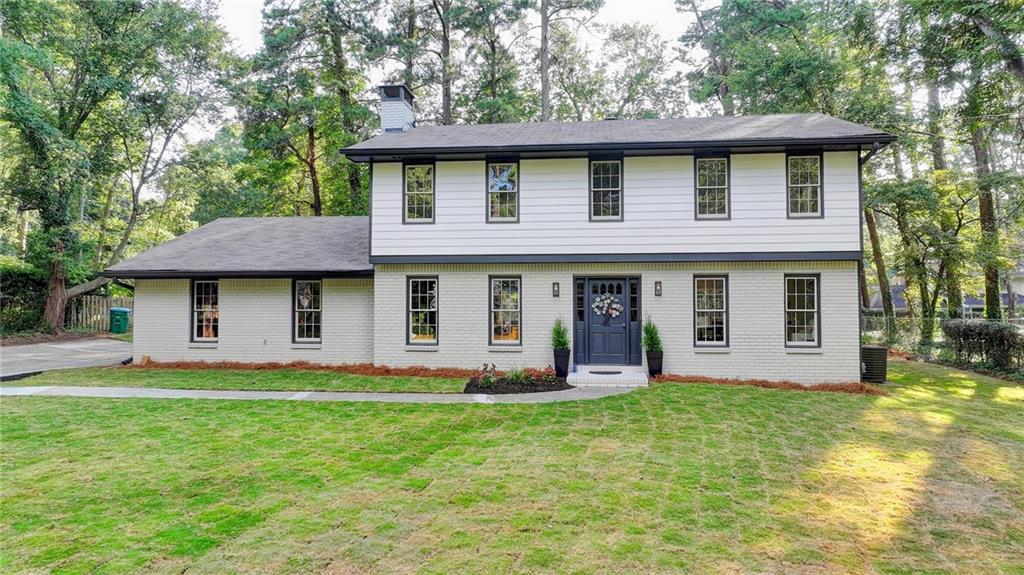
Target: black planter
654, 362
561, 362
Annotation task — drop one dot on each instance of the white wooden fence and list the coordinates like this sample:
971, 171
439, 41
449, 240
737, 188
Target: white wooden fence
93, 311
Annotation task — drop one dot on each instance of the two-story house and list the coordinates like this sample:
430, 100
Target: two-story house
739, 237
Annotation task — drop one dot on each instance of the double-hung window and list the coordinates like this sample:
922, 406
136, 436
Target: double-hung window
307, 311
422, 311
710, 311
418, 180
205, 312
502, 191
803, 185
712, 188
802, 317
506, 311
606, 190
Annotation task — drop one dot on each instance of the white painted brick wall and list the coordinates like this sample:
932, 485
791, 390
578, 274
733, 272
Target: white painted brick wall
255, 322
756, 310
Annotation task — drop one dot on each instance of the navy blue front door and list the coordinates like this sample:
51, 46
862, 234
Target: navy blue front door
607, 321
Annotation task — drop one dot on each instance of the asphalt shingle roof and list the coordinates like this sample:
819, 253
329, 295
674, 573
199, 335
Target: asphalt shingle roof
778, 129
261, 247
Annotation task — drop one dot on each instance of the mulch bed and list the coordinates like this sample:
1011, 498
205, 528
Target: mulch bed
855, 387
354, 369
501, 385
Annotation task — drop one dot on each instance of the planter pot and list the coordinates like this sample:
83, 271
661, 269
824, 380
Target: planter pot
561, 362
654, 362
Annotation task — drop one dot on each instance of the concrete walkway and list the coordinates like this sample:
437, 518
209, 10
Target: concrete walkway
20, 360
162, 393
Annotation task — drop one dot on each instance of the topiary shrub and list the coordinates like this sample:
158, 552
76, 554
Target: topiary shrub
993, 343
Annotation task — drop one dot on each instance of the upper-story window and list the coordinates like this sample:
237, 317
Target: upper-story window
712, 188
205, 310
502, 191
803, 186
419, 193
307, 311
606, 190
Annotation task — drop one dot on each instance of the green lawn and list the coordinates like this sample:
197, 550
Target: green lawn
282, 380
674, 478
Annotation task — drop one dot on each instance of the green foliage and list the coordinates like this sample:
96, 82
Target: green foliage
19, 295
559, 335
651, 338
519, 375
985, 342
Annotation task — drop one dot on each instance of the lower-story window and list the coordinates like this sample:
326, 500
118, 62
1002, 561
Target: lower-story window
205, 310
802, 319
307, 302
422, 311
710, 310
506, 311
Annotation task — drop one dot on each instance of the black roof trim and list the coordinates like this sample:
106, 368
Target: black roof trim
853, 255
185, 274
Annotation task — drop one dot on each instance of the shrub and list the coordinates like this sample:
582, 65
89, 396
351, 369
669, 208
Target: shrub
488, 374
22, 295
981, 341
519, 376
651, 338
559, 335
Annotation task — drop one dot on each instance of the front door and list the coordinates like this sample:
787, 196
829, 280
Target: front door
607, 321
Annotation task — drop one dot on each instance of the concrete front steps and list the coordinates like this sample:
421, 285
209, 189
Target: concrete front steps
608, 376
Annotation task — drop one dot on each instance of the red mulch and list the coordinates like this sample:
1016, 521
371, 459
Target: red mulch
856, 387
354, 369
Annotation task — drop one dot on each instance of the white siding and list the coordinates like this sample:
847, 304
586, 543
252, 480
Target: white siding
658, 208
757, 347
255, 322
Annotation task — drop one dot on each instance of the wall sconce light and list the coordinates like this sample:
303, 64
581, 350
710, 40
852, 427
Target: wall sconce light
657, 289
554, 289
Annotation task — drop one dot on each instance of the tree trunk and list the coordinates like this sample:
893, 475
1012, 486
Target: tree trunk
354, 189
57, 299
989, 231
865, 297
1004, 45
22, 233
314, 177
938, 142
441, 8
1011, 299
409, 74
545, 62
884, 288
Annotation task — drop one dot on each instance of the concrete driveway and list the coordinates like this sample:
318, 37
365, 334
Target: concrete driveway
18, 360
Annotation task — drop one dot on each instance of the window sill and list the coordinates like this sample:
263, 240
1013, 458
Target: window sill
202, 345
504, 349
804, 350
300, 345
426, 348
711, 350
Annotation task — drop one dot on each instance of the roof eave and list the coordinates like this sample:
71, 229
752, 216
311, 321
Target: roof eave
230, 274
367, 154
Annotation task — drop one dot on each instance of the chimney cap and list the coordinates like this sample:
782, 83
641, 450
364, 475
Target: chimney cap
391, 92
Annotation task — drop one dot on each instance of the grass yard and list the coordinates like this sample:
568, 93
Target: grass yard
269, 380
674, 478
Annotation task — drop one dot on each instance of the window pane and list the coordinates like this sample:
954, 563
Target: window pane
307, 310
205, 313
804, 187
802, 310
422, 310
503, 190
505, 310
419, 192
710, 310
606, 186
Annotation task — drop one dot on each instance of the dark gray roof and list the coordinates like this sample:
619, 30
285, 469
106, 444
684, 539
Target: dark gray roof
259, 247
718, 131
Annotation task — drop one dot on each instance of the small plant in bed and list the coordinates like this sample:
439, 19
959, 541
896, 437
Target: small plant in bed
516, 380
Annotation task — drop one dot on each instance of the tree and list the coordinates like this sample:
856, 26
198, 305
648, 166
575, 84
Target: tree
551, 12
493, 93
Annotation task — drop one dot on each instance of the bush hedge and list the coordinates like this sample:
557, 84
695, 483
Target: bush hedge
22, 295
1000, 345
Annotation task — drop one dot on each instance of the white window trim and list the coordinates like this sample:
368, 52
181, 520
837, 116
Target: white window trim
817, 311
592, 189
519, 310
295, 312
724, 310
821, 186
192, 304
697, 188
